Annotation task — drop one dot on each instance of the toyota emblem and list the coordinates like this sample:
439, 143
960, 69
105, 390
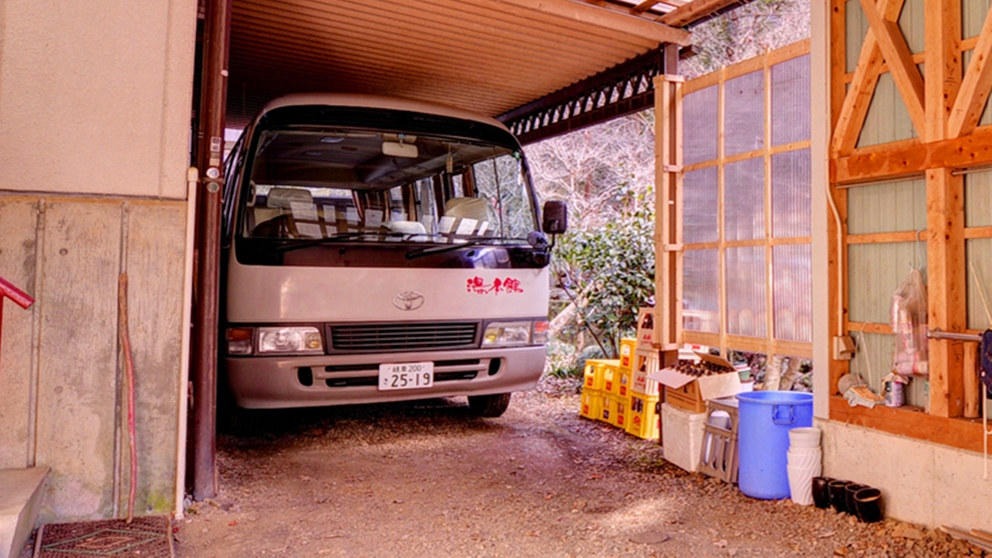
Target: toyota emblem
408, 300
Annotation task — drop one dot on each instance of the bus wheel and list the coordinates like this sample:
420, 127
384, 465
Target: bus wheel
489, 406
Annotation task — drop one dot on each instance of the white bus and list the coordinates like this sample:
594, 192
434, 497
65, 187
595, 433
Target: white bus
381, 250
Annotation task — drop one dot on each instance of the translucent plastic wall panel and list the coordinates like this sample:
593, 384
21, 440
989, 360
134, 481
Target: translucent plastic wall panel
701, 291
887, 119
978, 199
979, 254
791, 194
744, 114
875, 271
790, 101
747, 292
699, 116
792, 292
973, 16
699, 211
888, 207
744, 199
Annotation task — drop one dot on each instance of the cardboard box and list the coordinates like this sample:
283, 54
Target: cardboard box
690, 392
645, 328
627, 347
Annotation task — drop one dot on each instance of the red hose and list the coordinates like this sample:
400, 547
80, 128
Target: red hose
129, 369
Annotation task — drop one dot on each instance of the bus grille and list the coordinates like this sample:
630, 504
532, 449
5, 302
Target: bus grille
403, 336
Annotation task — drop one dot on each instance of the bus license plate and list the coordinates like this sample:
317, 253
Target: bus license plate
409, 375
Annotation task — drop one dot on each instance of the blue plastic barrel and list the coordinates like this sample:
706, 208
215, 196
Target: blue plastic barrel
765, 419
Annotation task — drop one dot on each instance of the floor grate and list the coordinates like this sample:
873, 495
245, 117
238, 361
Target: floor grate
148, 537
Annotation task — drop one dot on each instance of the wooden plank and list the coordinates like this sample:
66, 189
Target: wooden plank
943, 64
974, 92
18, 264
621, 23
904, 72
963, 152
701, 338
788, 52
911, 422
946, 289
857, 100
978, 232
869, 327
668, 138
702, 82
972, 383
881, 238
692, 11
838, 60
78, 357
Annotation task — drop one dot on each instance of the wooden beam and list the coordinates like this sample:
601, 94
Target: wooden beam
972, 383
911, 422
668, 200
974, 92
695, 10
857, 101
914, 159
943, 64
900, 61
608, 19
946, 285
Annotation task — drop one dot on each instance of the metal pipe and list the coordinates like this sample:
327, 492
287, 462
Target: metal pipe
209, 157
938, 334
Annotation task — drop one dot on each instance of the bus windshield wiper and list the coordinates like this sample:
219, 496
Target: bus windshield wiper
340, 237
468, 243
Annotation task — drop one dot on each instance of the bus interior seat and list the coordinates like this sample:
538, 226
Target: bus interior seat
469, 208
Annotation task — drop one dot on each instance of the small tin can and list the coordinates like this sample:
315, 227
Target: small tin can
894, 396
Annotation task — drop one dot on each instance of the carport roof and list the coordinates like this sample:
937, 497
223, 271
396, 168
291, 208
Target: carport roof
488, 56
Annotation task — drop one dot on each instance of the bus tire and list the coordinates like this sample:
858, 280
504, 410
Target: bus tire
489, 406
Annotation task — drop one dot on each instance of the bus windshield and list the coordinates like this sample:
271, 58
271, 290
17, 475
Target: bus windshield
374, 186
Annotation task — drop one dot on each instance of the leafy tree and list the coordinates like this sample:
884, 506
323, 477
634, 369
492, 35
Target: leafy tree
611, 269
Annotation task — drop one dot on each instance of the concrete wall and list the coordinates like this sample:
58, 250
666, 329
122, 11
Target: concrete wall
922, 483
95, 104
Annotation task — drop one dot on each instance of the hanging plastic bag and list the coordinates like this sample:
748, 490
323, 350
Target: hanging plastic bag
909, 323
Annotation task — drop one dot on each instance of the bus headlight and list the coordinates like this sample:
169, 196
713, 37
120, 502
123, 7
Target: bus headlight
304, 340
506, 334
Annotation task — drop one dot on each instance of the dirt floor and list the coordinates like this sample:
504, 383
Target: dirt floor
428, 479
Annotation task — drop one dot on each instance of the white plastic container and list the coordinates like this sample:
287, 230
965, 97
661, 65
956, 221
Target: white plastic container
682, 432
804, 437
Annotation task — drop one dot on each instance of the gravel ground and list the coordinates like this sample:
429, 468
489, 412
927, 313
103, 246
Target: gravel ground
428, 479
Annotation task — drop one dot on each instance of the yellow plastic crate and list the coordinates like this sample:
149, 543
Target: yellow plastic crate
591, 404
611, 376
593, 375
627, 348
643, 416
621, 411
624, 383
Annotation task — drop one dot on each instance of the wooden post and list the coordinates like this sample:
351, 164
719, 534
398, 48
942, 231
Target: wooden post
668, 205
946, 301
972, 383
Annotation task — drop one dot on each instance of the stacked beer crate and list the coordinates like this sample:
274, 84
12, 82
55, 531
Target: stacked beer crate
618, 392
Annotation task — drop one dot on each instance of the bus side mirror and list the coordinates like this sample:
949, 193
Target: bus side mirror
555, 217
